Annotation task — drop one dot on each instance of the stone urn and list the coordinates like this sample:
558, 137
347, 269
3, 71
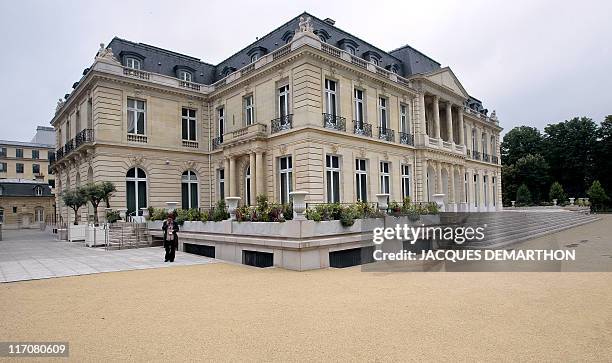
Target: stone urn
513, 203
232, 205
439, 200
572, 201
122, 213
554, 202
382, 200
299, 204
145, 213
171, 206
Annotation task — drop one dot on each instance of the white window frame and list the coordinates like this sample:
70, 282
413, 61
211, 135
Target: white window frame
249, 110
1, 214
476, 190
330, 172
133, 63
192, 178
136, 179
221, 183
405, 126
39, 214
254, 57
189, 120
221, 122
331, 97
474, 141
385, 177
285, 173
485, 187
185, 76
283, 101
361, 179
405, 175
483, 140
135, 111
359, 97
383, 115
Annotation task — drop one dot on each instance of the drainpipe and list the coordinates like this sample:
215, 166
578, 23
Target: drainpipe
210, 177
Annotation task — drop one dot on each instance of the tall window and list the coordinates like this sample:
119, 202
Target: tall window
136, 116
474, 141
1, 212
221, 186
483, 143
332, 171
3, 152
38, 214
220, 123
38, 191
286, 178
283, 101
189, 190
465, 188
404, 121
133, 63
359, 109
185, 76
19, 153
385, 177
476, 191
249, 111
494, 185
493, 146
361, 180
189, 124
331, 106
382, 107
405, 181
19, 168
136, 190
35, 154
35, 169
247, 186
3, 167
485, 186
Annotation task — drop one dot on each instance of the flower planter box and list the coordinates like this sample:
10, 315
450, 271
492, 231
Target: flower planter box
76, 233
96, 236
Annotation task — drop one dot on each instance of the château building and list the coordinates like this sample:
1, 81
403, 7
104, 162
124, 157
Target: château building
305, 107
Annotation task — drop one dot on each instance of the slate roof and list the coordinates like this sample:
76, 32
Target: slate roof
26, 144
23, 188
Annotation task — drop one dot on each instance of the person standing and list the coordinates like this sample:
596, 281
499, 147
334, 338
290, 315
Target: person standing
170, 228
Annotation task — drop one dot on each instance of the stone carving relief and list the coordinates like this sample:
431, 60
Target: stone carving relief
305, 25
106, 54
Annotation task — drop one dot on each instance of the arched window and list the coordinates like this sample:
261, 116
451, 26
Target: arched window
133, 63
185, 76
136, 190
247, 186
254, 57
38, 191
189, 190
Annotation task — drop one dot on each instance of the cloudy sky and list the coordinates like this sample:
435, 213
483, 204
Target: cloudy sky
535, 62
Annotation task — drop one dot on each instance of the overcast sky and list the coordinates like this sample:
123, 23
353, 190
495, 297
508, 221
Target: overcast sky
535, 62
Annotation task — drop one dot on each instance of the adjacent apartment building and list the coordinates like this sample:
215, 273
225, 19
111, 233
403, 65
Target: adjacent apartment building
305, 107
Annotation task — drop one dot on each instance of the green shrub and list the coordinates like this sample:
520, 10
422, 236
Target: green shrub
556, 192
157, 214
597, 195
288, 211
313, 215
219, 213
112, 216
523, 196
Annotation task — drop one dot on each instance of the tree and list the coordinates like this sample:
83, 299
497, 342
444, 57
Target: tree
523, 196
597, 195
96, 193
533, 171
604, 151
75, 199
509, 183
519, 142
556, 192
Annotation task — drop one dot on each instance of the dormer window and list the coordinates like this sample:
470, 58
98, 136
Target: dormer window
350, 50
185, 76
372, 57
373, 60
287, 37
323, 35
255, 53
349, 45
227, 71
38, 191
133, 63
254, 57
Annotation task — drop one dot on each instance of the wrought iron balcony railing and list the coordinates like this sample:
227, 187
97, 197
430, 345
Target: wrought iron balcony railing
281, 123
406, 138
362, 128
494, 159
68, 147
217, 142
485, 157
385, 133
83, 137
475, 155
334, 122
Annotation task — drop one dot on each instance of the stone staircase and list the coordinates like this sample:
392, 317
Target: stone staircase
128, 235
506, 228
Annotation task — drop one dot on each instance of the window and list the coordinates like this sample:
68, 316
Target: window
405, 181
220, 123
1, 211
38, 191
483, 143
332, 172
249, 115
286, 178
359, 110
361, 180
385, 178
136, 116
19, 168
474, 148
247, 186
133, 63
19, 153
221, 186
38, 214
493, 146
189, 190
382, 107
283, 101
188, 124
404, 121
3, 168
331, 107
350, 50
35, 169
476, 191
3, 152
52, 183
136, 190
485, 184
185, 76
14, 209
465, 188
35, 154
254, 57
1, 190
374, 60
494, 185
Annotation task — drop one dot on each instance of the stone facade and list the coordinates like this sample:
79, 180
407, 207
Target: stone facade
127, 126
25, 203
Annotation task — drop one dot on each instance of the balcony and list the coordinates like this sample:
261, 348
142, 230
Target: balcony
84, 137
406, 138
362, 128
485, 157
281, 123
494, 159
137, 138
217, 142
136, 73
475, 155
334, 122
386, 134
190, 144
189, 85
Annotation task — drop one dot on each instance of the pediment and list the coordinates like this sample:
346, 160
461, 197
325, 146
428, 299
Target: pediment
447, 79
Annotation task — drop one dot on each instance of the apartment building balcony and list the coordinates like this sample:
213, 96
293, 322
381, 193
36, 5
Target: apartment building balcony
406, 138
475, 155
84, 137
386, 134
334, 122
137, 138
362, 128
281, 123
494, 159
190, 144
217, 142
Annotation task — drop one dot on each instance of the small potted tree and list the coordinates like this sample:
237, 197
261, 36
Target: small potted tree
96, 193
75, 199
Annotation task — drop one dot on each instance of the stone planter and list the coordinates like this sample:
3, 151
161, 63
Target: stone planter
299, 204
439, 200
572, 201
145, 213
382, 200
554, 202
122, 213
513, 203
76, 233
171, 206
232, 204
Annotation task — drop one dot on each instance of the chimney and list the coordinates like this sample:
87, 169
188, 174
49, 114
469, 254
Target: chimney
330, 21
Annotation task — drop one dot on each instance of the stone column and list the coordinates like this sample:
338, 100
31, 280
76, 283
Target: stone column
226, 172
253, 170
449, 121
422, 121
451, 189
231, 177
460, 115
259, 173
425, 194
439, 178
436, 112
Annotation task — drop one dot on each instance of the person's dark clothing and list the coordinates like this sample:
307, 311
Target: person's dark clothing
170, 240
